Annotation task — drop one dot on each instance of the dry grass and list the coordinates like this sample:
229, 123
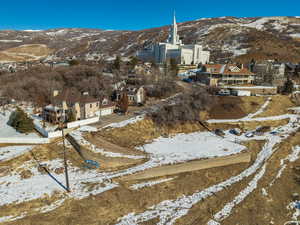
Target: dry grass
246, 126
278, 106
107, 207
236, 107
144, 131
25, 53
260, 209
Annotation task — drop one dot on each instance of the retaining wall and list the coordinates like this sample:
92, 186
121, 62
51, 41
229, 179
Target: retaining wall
23, 140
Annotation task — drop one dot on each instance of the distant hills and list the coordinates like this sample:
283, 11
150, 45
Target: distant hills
239, 39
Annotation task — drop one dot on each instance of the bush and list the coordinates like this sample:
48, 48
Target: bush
185, 108
162, 89
21, 122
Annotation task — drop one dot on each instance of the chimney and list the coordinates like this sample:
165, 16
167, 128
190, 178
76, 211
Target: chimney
55, 93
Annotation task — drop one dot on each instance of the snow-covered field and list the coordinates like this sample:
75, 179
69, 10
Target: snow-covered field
184, 147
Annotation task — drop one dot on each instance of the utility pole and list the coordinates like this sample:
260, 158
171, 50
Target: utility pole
65, 155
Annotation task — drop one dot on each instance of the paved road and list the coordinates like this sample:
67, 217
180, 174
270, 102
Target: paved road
190, 166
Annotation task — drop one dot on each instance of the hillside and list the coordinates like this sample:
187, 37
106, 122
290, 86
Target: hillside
25, 53
226, 37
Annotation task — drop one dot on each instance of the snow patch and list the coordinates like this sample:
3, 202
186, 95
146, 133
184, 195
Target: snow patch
10, 152
125, 122
149, 183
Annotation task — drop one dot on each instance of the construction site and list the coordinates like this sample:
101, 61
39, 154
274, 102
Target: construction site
239, 165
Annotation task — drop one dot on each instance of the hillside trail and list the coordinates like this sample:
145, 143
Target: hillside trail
189, 166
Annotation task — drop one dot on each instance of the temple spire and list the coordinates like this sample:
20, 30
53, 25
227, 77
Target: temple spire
174, 39
174, 18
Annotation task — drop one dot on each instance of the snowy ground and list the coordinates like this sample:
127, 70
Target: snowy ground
8, 131
10, 152
184, 147
149, 183
170, 210
125, 122
179, 148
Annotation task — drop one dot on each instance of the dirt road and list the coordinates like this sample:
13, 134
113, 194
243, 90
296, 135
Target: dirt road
190, 166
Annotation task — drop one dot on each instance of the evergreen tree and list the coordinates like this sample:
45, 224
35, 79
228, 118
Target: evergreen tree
288, 87
21, 121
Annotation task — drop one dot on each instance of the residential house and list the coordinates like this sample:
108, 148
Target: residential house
224, 74
81, 106
53, 114
144, 69
106, 107
136, 94
270, 73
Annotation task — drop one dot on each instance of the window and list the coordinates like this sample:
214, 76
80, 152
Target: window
91, 105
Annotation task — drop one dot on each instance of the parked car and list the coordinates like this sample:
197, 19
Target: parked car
235, 131
224, 92
249, 134
240, 93
219, 132
263, 129
187, 80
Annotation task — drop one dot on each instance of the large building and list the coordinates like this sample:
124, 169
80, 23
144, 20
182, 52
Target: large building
270, 73
174, 49
227, 74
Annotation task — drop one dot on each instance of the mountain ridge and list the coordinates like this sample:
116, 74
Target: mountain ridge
228, 38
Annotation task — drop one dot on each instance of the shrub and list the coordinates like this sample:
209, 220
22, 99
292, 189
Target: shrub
184, 108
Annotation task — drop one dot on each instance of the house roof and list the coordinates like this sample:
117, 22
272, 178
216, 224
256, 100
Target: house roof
130, 90
227, 69
72, 97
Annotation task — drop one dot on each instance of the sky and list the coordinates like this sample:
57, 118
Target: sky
130, 14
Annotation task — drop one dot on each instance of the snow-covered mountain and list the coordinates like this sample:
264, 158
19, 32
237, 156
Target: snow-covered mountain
225, 37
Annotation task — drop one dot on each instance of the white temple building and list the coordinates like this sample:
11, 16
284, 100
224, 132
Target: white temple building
174, 49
